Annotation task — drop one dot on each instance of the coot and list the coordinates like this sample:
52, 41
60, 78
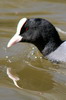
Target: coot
43, 35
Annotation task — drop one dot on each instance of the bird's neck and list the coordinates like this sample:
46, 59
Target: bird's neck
47, 48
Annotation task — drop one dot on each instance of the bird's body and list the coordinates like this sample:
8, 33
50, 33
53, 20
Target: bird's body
42, 34
59, 55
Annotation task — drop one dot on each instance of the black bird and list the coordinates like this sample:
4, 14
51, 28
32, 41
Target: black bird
43, 35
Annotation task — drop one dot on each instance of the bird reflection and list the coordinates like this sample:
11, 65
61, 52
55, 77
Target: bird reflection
14, 77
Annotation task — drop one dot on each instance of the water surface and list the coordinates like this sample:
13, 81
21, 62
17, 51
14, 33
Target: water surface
39, 78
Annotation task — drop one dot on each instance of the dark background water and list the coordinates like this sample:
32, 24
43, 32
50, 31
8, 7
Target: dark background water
40, 79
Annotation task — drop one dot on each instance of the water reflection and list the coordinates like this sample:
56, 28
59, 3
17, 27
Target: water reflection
32, 79
13, 77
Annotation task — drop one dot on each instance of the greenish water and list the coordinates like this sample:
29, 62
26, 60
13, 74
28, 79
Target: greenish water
39, 78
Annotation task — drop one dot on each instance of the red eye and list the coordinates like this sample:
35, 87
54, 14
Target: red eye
27, 28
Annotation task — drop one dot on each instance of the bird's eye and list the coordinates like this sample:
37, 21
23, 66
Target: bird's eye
23, 29
27, 28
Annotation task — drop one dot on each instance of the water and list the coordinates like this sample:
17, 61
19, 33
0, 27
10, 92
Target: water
24, 75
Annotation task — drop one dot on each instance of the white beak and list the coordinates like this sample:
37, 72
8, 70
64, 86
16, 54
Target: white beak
15, 39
